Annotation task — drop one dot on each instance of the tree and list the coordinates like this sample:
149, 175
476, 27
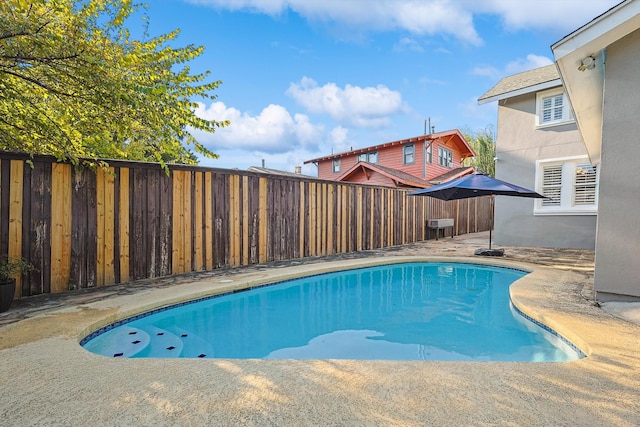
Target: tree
74, 84
483, 143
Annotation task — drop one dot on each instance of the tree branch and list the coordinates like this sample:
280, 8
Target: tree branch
36, 82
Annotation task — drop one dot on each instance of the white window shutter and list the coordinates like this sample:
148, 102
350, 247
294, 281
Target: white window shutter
585, 185
552, 185
557, 112
546, 109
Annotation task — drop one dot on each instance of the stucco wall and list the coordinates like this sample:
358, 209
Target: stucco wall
618, 238
519, 144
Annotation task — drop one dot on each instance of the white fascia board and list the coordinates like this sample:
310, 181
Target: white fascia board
601, 32
523, 91
585, 88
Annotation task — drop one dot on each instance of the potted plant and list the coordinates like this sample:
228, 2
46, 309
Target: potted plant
8, 269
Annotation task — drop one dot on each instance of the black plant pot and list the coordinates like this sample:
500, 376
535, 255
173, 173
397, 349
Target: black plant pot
7, 291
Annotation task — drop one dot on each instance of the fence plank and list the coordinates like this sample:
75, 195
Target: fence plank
208, 221
60, 227
245, 220
198, 252
166, 221
138, 200
178, 223
123, 224
15, 216
38, 232
262, 236
151, 226
109, 227
311, 218
301, 219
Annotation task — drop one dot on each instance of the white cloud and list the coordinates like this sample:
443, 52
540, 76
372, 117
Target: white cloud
516, 66
487, 71
471, 110
339, 139
281, 139
274, 130
525, 64
426, 81
408, 44
368, 107
443, 51
426, 17
451, 18
269, 7
565, 15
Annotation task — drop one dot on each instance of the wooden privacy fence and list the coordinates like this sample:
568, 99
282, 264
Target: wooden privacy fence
82, 228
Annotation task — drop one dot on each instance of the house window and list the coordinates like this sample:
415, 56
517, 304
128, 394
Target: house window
371, 157
429, 153
336, 165
552, 108
409, 154
570, 187
445, 157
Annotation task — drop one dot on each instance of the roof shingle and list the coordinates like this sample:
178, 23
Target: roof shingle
518, 82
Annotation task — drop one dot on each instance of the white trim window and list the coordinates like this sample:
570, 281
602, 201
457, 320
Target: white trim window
371, 157
408, 154
445, 157
336, 165
570, 187
430, 153
553, 108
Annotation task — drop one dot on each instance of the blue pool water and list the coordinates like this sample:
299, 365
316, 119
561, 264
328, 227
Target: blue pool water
411, 311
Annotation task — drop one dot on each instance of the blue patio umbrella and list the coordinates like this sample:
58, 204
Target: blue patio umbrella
476, 185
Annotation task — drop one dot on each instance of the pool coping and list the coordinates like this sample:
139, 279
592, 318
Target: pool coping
46, 372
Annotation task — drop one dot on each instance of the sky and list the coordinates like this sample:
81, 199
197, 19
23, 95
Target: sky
301, 79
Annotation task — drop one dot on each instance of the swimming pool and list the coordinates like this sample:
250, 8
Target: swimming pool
408, 311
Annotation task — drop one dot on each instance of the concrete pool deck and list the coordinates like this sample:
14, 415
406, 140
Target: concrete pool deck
46, 378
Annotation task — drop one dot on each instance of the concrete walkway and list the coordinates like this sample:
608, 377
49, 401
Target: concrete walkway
46, 378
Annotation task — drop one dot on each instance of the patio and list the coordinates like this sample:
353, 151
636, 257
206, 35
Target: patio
47, 378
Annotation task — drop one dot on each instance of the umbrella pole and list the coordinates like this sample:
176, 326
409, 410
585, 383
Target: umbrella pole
491, 223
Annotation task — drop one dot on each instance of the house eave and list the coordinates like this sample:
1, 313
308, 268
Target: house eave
530, 89
465, 148
585, 89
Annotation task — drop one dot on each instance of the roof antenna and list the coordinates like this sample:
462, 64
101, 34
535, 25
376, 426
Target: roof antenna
431, 128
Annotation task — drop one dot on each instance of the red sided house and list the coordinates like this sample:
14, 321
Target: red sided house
418, 162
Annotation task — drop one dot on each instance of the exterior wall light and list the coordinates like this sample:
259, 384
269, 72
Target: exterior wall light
588, 63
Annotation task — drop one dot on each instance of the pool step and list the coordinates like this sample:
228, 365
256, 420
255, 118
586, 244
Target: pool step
193, 345
124, 341
162, 343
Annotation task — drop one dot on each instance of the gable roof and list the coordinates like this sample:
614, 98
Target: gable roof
585, 86
403, 179
400, 179
452, 174
519, 84
448, 136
